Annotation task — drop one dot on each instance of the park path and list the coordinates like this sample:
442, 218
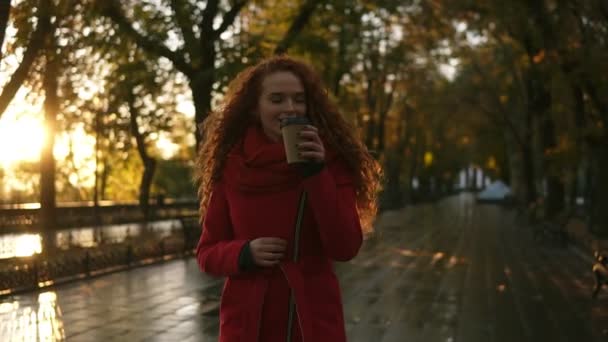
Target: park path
447, 271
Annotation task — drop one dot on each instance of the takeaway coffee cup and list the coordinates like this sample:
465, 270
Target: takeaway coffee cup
290, 130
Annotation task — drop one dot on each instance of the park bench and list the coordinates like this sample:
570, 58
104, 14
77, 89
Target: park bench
600, 271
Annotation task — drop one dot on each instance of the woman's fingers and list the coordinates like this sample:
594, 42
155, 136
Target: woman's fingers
312, 146
314, 156
272, 249
272, 241
268, 251
269, 259
266, 263
311, 136
271, 256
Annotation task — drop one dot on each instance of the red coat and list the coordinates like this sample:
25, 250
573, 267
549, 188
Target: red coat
258, 197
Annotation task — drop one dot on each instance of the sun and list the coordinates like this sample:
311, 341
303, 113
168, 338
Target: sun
21, 139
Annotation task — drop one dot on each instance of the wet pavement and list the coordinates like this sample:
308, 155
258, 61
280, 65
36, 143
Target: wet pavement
450, 271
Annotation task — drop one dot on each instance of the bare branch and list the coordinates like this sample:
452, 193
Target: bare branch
229, 17
184, 22
297, 25
34, 46
496, 100
112, 10
5, 8
206, 25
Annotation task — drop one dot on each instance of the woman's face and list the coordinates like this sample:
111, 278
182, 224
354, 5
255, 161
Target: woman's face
282, 96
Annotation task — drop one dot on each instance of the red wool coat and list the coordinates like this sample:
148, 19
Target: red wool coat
257, 196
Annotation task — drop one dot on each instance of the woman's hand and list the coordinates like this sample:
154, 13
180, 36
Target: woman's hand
268, 251
311, 146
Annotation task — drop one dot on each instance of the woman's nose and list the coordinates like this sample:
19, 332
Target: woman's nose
290, 105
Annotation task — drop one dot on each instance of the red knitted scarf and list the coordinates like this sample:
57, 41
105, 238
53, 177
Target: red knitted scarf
258, 164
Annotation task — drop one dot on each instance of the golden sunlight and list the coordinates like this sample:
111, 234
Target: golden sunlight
19, 245
166, 146
40, 321
21, 139
28, 245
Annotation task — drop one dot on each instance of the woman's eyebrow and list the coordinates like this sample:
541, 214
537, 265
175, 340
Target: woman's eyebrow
283, 93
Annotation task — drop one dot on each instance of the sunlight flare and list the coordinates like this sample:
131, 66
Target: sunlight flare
21, 139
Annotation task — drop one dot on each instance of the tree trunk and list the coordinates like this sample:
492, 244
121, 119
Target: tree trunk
105, 174
340, 61
578, 168
202, 87
528, 173
555, 186
540, 107
148, 162
47, 160
414, 163
145, 185
202, 81
515, 162
370, 134
386, 107
599, 189
97, 137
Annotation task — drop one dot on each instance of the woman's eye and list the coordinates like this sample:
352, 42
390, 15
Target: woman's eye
300, 99
276, 98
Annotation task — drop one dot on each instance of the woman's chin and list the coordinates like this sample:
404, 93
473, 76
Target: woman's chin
274, 135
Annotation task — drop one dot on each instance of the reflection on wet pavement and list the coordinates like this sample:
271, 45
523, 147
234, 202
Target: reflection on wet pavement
168, 302
32, 320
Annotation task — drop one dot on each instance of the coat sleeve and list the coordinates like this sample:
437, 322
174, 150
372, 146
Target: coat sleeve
332, 197
218, 252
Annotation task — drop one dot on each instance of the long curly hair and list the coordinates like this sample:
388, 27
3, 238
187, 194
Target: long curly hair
226, 125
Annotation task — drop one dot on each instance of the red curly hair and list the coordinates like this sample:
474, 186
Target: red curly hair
226, 125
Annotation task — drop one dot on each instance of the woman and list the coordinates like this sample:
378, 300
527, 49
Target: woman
249, 197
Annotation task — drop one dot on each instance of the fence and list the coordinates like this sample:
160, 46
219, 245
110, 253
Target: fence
30, 273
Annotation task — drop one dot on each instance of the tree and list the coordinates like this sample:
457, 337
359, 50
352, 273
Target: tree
5, 8
34, 46
198, 56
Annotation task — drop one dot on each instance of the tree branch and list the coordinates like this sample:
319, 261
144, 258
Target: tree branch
230, 16
112, 10
495, 98
5, 8
597, 101
34, 46
134, 128
297, 25
184, 22
604, 9
206, 25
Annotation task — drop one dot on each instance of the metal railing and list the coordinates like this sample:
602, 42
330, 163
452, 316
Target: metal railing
14, 220
38, 271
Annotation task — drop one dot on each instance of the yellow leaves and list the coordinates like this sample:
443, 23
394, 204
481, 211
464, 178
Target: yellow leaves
428, 158
491, 164
504, 99
539, 57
